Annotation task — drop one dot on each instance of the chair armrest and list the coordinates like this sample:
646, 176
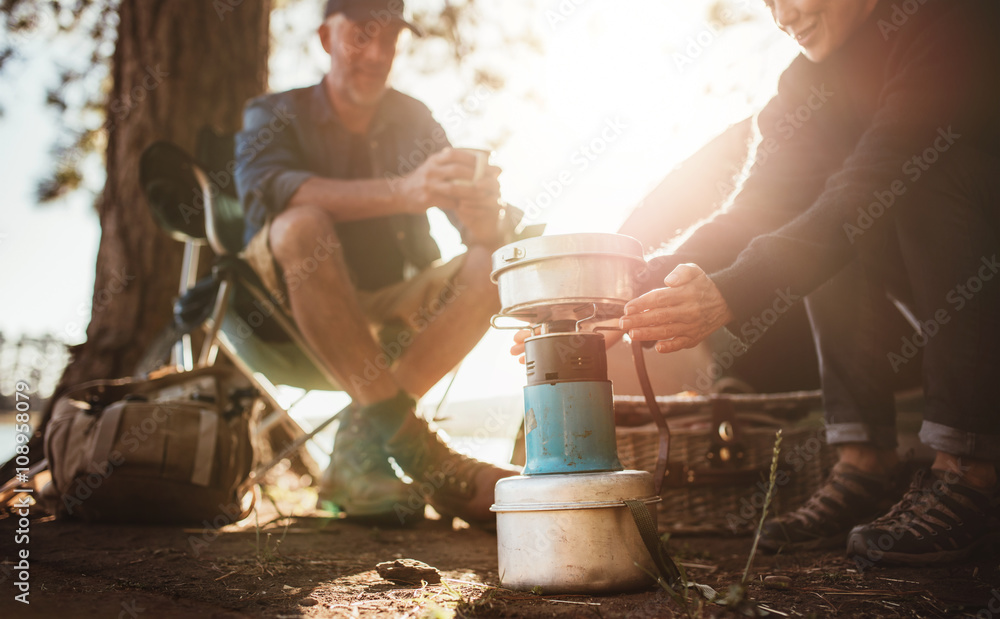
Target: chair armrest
211, 215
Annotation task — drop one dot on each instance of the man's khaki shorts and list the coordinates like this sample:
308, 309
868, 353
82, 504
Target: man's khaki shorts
413, 302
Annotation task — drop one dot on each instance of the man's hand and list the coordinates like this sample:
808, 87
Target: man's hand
680, 315
432, 184
481, 222
480, 215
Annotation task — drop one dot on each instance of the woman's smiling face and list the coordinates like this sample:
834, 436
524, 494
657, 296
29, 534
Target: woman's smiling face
820, 27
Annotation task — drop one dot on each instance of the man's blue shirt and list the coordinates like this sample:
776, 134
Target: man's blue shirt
292, 136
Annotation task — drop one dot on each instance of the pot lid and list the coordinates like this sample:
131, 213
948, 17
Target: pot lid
579, 244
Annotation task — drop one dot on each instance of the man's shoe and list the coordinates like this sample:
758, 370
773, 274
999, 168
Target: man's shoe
361, 482
848, 497
455, 485
939, 520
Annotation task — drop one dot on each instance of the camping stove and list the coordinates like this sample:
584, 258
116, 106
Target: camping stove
563, 524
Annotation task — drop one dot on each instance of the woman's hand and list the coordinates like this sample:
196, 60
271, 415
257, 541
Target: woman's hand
518, 348
680, 315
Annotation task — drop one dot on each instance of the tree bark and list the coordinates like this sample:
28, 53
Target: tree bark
178, 65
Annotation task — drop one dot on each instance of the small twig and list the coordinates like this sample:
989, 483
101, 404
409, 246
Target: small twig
772, 480
466, 582
909, 582
226, 575
835, 609
571, 602
867, 592
700, 566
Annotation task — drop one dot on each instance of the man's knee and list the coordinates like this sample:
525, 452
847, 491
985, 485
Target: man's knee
303, 233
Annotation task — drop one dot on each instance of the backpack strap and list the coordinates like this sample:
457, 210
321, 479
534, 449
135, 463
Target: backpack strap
204, 453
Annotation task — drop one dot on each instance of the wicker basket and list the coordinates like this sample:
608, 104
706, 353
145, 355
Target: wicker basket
720, 455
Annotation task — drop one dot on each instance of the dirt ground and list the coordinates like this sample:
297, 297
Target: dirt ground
319, 567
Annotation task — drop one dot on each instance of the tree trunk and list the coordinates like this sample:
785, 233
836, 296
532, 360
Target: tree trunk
178, 66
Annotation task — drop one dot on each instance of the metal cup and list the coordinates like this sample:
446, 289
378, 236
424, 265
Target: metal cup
482, 160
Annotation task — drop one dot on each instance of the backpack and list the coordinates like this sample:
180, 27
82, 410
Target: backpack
170, 450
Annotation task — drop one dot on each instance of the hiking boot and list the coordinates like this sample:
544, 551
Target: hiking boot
939, 520
848, 497
455, 485
361, 482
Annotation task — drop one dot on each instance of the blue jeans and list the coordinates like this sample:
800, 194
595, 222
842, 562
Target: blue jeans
939, 263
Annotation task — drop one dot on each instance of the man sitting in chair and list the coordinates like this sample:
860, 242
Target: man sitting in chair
336, 180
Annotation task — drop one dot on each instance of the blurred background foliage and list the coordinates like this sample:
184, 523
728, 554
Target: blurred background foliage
455, 31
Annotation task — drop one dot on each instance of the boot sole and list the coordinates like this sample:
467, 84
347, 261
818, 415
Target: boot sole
382, 512
822, 543
385, 520
856, 549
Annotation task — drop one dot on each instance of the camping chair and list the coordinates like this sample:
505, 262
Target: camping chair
194, 201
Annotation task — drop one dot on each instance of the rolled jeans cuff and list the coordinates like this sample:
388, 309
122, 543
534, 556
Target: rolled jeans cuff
857, 432
959, 442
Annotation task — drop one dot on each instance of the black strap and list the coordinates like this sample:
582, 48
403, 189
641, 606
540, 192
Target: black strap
665, 566
654, 410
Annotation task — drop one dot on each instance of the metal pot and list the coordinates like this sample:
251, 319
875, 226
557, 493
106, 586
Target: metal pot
584, 274
572, 533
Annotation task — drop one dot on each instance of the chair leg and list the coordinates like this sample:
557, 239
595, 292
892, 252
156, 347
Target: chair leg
182, 357
210, 349
279, 419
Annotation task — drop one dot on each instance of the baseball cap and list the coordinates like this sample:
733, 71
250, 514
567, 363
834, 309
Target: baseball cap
383, 11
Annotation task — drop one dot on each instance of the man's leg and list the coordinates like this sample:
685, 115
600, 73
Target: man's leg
455, 322
323, 301
303, 242
950, 240
452, 319
325, 307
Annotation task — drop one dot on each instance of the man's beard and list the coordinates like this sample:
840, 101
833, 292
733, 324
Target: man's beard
366, 99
